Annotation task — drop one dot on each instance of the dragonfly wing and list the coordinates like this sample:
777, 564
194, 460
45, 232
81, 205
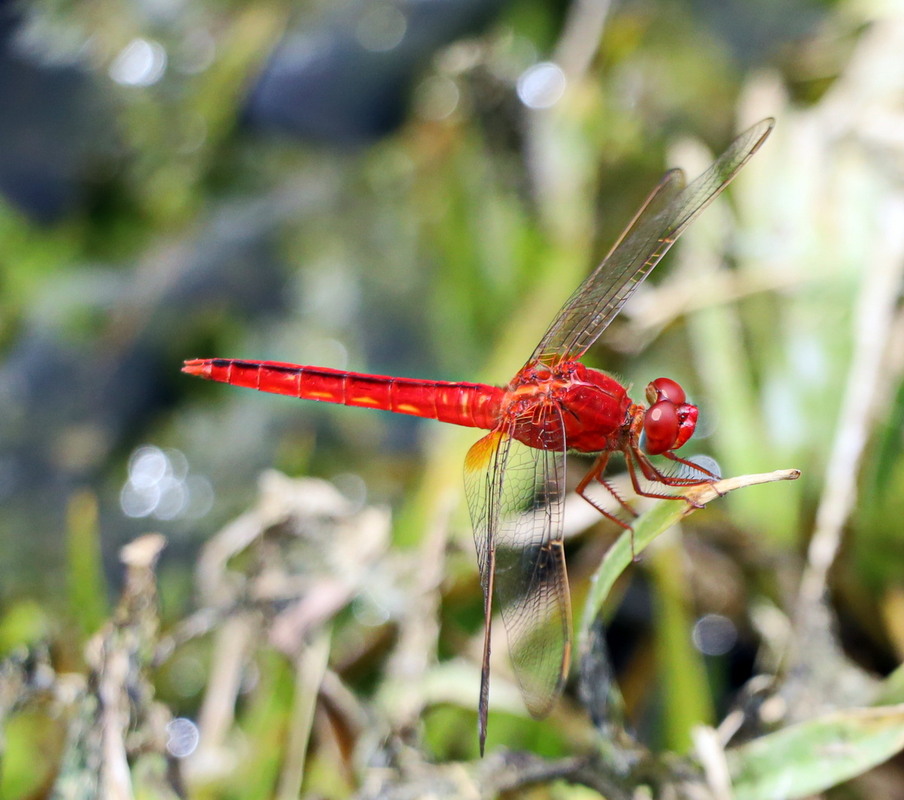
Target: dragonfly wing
515, 497
664, 216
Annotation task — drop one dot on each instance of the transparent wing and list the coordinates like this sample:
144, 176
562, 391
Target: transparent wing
515, 498
664, 216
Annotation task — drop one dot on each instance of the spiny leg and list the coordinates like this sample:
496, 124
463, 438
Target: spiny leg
711, 478
634, 459
651, 473
595, 473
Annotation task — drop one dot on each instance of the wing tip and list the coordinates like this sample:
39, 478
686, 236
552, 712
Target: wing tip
758, 132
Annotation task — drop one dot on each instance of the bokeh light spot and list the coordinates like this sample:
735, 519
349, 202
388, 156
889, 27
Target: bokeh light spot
714, 634
542, 85
182, 737
160, 485
141, 62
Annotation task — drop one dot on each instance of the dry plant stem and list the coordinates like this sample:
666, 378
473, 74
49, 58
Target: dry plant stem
419, 629
200, 623
116, 782
874, 321
553, 181
661, 777
711, 754
502, 773
234, 641
851, 109
509, 772
135, 628
118, 703
344, 704
676, 297
702, 493
581, 36
233, 538
310, 668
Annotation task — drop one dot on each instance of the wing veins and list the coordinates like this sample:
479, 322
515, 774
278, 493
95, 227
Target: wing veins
662, 218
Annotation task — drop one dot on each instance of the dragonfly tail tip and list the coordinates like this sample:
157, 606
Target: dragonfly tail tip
196, 366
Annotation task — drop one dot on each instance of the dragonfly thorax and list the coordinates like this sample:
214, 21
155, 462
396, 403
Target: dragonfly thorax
569, 406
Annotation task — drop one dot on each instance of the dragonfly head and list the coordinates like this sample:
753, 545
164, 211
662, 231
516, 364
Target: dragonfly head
669, 421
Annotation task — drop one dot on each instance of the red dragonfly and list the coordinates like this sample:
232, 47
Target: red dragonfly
515, 475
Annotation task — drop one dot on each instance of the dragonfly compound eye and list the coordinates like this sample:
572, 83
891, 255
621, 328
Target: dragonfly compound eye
660, 427
665, 389
667, 426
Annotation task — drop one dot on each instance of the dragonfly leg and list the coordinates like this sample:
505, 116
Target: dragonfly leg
595, 473
651, 473
711, 476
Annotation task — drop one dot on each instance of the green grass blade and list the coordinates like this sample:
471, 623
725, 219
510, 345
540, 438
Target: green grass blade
816, 755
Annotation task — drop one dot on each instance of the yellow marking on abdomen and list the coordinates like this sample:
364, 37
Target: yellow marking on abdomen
319, 395
365, 400
407, 408
467, 410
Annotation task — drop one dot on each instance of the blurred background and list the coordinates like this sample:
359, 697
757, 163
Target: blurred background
413, 189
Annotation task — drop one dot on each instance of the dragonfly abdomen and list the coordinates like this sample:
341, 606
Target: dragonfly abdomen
474, 405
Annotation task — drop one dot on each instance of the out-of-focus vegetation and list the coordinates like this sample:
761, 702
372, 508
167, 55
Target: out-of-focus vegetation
383, 187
